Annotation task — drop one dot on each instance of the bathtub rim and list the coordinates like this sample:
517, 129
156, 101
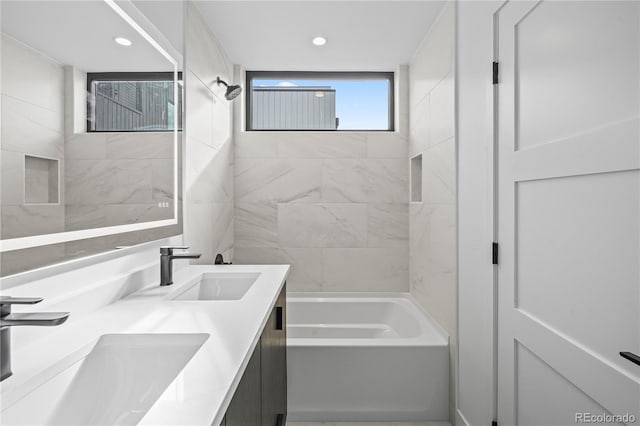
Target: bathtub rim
423, 317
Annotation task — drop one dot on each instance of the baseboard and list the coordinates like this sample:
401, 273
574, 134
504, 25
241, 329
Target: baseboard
358, 416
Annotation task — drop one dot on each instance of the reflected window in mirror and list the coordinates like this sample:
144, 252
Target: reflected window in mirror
133, 102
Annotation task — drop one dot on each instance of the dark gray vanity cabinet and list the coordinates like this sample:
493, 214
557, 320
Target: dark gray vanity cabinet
244, 409
273, 345
261, 396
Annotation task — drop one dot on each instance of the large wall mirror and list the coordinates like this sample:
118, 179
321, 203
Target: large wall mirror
91, 119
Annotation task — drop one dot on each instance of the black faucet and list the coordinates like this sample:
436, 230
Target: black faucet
220, 260
166, 262
8, 320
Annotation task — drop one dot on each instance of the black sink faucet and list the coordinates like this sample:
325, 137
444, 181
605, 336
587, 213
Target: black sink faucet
166, 262
8, 320
220, 260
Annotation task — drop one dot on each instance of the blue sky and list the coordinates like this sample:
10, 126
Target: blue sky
360, 105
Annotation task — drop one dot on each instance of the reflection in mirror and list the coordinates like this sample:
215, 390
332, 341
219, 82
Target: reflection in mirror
91, 113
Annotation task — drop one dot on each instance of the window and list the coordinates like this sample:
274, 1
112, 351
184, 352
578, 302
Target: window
291, 100
133, 102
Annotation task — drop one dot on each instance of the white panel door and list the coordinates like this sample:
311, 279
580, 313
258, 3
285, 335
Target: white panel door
569, 211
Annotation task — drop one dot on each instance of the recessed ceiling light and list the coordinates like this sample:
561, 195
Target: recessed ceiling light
319, 41
122, 41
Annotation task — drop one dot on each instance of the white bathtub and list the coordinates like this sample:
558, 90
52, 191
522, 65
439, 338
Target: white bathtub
364, 357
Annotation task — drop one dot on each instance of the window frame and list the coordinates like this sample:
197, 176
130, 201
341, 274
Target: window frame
129, 76
324, 75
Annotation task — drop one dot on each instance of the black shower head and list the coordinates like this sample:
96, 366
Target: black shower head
232, 91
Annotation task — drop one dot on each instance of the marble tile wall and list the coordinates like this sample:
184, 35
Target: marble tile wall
118, 178
333, 205
432, 222
209, 186
32, 96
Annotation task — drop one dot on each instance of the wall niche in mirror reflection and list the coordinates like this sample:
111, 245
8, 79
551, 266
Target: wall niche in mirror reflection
64, 179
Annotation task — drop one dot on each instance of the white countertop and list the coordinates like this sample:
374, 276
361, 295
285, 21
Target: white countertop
202, 391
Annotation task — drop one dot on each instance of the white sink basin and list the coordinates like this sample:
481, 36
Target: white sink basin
117, 382
219, 286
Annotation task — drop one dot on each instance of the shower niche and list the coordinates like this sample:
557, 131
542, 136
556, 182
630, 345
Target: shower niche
416, 179
41, 180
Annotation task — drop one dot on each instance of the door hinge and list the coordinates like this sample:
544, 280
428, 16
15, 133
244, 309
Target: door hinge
494, 253
494, 423
496, 72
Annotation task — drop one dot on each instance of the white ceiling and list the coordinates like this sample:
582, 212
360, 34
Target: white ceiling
167, 16
80, 33
362, 35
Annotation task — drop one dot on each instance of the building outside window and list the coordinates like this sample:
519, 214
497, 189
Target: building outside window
133, 102
358, 101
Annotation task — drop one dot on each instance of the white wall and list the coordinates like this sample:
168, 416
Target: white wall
208, 226
331, 204
433, 220
476, 391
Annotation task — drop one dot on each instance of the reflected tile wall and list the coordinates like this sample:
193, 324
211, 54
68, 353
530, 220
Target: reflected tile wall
108, 181
22, 220
32, 124
332, 205
29, 128
118, 178
17, 261
11, 167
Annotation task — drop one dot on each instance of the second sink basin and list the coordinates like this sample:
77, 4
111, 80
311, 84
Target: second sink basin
219, 286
